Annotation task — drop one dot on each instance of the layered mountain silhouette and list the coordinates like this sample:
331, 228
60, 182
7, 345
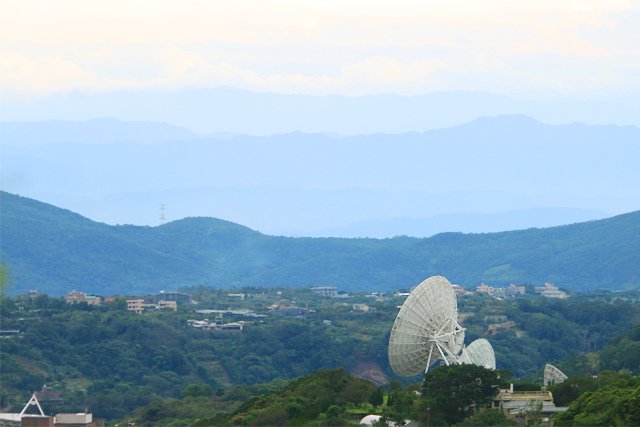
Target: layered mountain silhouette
323, 185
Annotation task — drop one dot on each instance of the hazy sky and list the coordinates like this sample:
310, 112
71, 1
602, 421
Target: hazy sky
537, 49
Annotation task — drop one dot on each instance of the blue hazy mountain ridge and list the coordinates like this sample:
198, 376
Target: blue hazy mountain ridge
95, 131
464, 222
55, 250
232, 110
300, 184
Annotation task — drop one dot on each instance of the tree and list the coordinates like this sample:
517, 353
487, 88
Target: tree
196, 390
456, 392
333, 416
377, 398
400, 403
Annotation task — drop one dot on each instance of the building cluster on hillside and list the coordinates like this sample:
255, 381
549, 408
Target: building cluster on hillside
511, 291
32, 295
377, 296
140, 305
551, 291
158, 302
232, 311
47, 394
75, 297
217, 326
499, 322
289, 308
11, 333
363, 308
178, 297
329, 291
460, 291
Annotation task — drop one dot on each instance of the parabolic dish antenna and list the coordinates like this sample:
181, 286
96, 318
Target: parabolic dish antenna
426, 329
479, 352
553, 375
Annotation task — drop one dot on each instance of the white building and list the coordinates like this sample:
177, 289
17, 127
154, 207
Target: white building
135, 305
140, 305
327, 291
551, 291
361, 307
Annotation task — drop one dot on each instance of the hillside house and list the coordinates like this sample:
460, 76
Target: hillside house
327, 291
139, 305
551, 291
75, 297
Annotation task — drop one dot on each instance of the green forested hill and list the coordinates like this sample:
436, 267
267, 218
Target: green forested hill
55, 250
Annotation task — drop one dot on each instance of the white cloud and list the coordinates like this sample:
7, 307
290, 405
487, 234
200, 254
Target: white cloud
318, 46
23, 75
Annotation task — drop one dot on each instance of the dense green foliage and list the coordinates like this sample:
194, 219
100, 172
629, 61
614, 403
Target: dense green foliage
621, 353
322, 398
327, 398
568, 391
199, 409
453, 393
602, 397
54, 250
487, 417
616, 403
402, 403
377, 397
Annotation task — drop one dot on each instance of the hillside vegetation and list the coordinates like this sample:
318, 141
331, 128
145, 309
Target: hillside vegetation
55, 250
111, 360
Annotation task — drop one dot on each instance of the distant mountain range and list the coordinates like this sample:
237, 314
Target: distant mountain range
232, 110
94, 131
463, 222
55, 250
491, 174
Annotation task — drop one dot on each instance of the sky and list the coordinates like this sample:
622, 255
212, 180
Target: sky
533, 49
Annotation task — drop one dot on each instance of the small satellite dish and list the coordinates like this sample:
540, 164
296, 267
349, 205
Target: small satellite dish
479, 352
426, 329
553, 375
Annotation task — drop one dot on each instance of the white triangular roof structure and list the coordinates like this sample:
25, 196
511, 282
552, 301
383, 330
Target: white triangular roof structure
13, 417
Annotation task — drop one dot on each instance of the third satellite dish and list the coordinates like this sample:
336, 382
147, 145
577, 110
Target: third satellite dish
553, 375
426, 329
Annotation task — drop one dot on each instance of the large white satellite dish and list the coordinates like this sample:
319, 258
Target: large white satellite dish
479, 352
553, 375
426, 329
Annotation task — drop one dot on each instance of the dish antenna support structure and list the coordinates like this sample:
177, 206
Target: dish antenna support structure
426, 329
447, 334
